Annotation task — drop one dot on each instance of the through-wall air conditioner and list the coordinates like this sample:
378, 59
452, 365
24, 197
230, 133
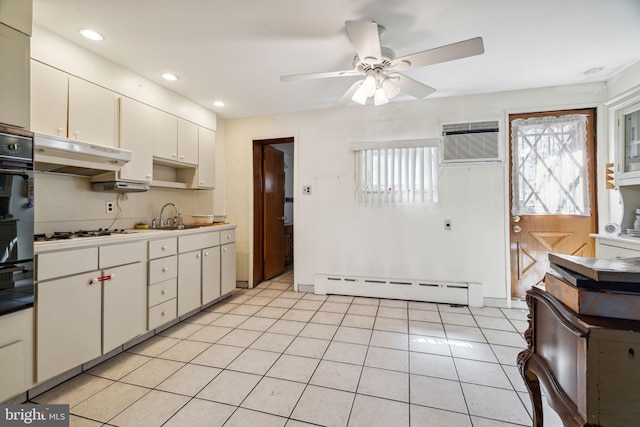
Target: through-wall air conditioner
470, 142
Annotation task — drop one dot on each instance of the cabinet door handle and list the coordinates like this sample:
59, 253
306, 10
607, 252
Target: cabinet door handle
164, 248
206, 254
165, 269
197, 255
224, 249
60, 131
102, 278
164, 291
163, 313
76, 134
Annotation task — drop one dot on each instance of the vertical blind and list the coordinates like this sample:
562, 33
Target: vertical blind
397, 175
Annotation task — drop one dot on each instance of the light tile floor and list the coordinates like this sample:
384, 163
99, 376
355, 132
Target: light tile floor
273, 357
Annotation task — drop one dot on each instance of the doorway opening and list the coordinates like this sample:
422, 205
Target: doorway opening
272, 208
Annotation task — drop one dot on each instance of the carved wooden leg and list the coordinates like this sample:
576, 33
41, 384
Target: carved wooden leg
533, 386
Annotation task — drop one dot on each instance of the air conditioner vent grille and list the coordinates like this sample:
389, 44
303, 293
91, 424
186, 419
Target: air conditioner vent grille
470, 142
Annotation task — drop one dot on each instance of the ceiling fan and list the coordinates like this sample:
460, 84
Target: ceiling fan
381, 69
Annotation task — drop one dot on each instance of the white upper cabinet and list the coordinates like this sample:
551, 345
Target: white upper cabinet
176, 140
58, 98
187, 142
49, 100
136, 120
92, 113
165, 136
206, 158
17, 14
14, 77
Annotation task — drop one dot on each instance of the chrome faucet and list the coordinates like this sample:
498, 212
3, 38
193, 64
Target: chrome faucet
175, 219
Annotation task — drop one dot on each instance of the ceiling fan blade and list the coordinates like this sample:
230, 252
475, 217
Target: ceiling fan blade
450, 52
346, 98
319, 75
364, 36
412, 87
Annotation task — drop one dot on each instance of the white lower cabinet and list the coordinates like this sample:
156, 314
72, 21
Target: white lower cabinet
189, 279
211, 277
228, 268
91, 300
228, 261
124, 303
69, 320
16, 353
82, 316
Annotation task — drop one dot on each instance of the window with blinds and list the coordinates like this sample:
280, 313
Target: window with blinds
392, 174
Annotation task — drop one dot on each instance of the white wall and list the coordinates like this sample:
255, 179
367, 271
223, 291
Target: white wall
335, 236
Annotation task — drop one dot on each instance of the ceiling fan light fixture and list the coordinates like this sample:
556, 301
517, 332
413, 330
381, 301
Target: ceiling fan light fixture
367, 88
390, 88
380, 97
360, 96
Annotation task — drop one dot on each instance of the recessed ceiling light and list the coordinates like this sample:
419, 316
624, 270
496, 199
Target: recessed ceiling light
218, 103
91, 34
169, 76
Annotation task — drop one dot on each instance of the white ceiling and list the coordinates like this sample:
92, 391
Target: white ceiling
236, 50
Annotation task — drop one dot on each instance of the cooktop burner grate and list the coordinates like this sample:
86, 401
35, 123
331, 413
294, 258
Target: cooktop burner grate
64, 235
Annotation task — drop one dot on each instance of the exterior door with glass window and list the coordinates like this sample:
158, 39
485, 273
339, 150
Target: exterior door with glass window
553, 200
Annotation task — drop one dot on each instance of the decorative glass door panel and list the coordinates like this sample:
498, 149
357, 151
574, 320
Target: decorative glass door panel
552, 191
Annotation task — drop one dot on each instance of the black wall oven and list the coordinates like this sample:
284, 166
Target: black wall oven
16, 220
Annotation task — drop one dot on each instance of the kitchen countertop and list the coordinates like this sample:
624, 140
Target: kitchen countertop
132, 235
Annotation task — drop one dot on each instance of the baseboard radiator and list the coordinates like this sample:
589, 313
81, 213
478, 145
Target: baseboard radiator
462, 293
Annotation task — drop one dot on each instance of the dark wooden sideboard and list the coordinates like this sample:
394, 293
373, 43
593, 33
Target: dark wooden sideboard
589, 366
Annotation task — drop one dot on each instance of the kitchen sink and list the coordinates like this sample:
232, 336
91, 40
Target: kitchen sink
175, 227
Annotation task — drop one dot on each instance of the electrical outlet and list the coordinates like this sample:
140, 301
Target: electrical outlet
306, 189
109, 208
447, 224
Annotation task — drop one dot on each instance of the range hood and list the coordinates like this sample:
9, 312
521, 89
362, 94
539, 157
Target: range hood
62, 155
120, 187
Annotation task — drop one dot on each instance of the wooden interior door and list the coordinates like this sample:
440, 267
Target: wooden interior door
273, 190
534, 235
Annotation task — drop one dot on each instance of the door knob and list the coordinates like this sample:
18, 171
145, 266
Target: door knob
516, 228
284, 218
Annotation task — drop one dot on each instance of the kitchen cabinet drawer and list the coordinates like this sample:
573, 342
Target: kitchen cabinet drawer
194, 242
162, 313
57, 264
163, 247
126, 253
227, 236
163, 291
610, 251
162, 269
